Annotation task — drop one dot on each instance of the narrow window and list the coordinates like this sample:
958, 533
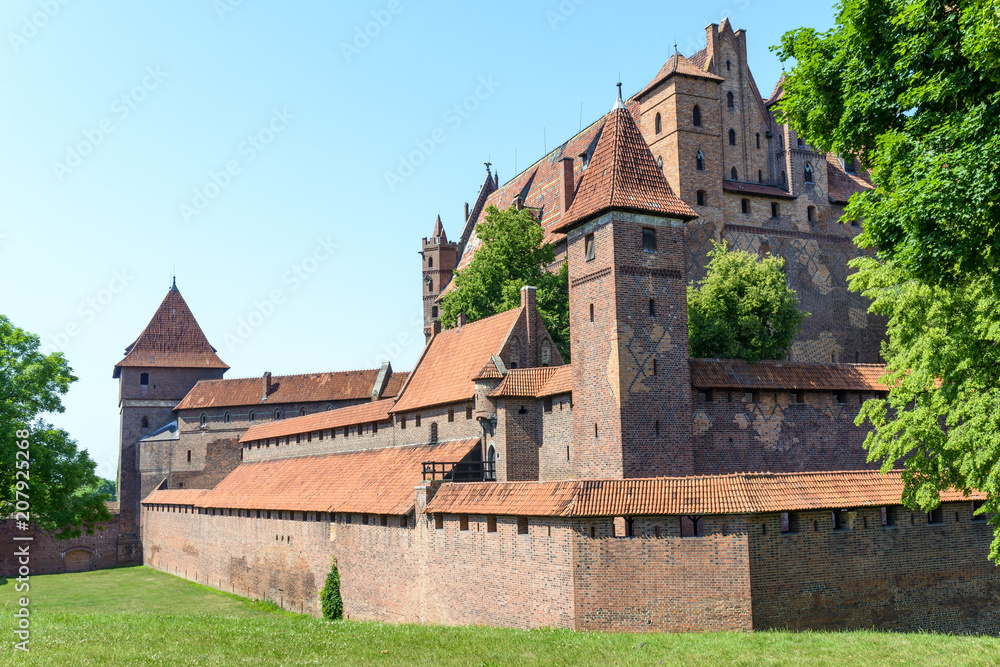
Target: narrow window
468, 412
732, 137
383, 520
659, 161
227, 418
430, 262
654, 365
774, 209
403, 521
430, 285
252, 417
652, 307
402, 421
451, 414
648, 239
734, 174
189, 456
347, 431
800, 395
754, 395
857, 357
463, 521
837, 522
745, 206
849, 165
144, 379
204, 419
730, 100
547, 404
758, 140
701, 197
491, 524
696, 117
595, 430
145, 422
522, 525
841, 396
434, 432
784, 178
361, 430
699, 160
800, 142
591, 312
976, 506
416, 420
588, 247
374, 428
302, 412
934, 516
277, 415
760, 176
659, 124
434, 311
656, 428
438, 521
629, 526
809, 172
709, 396
811, 214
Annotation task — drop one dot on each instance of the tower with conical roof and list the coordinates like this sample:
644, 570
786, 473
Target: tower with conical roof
440, 257
628, 311
158, 370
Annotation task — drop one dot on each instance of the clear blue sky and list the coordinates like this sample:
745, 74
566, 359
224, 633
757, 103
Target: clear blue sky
113, 114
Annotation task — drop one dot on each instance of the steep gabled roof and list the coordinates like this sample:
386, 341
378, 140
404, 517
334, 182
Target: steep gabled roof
307, 388
770, 191
172, 339
777, 93
623, 175
718, 494
678, 64
452, 359
842, 184
377, 481
737, 374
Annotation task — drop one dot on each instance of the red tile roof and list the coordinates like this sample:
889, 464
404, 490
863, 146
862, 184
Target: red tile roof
678, 64
536, 382
736, 374
721, 494
378, 481
307, 388
489, 371
778, 93
174, 496
172, 339
365, 413
622, 175
760, 189
452, 359
842, 184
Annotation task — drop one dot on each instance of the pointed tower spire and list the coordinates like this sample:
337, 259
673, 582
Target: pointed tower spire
173, 287
619, 104
439, 230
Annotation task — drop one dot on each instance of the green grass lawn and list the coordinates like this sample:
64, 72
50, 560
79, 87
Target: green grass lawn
139, 616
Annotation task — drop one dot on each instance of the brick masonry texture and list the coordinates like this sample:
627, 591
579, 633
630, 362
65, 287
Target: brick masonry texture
51, 556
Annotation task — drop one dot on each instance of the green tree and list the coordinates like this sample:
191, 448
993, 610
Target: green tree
742, 308
330, 602
912, 89
106, 489
32, 384
512, 255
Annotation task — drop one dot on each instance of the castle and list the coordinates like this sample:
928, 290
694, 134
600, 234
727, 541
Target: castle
633, 488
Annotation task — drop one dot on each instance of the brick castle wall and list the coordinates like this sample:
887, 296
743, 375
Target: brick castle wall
52, 556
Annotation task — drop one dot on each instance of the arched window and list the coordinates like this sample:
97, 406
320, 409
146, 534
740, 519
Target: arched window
302, 412
699, 160
434, 311
434, 432
658, 124
730, 100
227, 418
204, 419
430, 262
277, 415
809, 172
430, 285
145, 422
734, 174
659, 162
732, 137
329, 406
491, 458
760, 176
696, 116
252, 417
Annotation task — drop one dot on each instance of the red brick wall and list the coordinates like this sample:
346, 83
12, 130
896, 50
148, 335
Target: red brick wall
557, 439
48, 555
909, 577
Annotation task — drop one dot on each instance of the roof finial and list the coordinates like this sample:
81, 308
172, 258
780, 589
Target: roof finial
173, 279
487, 163
173, 287
675, 48
619, 104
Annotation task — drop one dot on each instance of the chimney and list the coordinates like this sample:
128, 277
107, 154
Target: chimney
461, 321
267, 385
568, 183
466, 218
436, 326
531, 324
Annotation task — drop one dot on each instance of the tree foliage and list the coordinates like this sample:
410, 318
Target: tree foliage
32, 384
742, 308
512, 255
330, 602
912, 87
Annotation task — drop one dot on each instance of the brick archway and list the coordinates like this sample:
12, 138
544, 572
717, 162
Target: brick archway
78, 560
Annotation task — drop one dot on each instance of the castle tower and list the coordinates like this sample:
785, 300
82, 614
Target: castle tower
439, 260
628, 311
159, 369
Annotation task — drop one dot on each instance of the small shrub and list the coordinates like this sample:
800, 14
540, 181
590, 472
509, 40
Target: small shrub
329, 598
